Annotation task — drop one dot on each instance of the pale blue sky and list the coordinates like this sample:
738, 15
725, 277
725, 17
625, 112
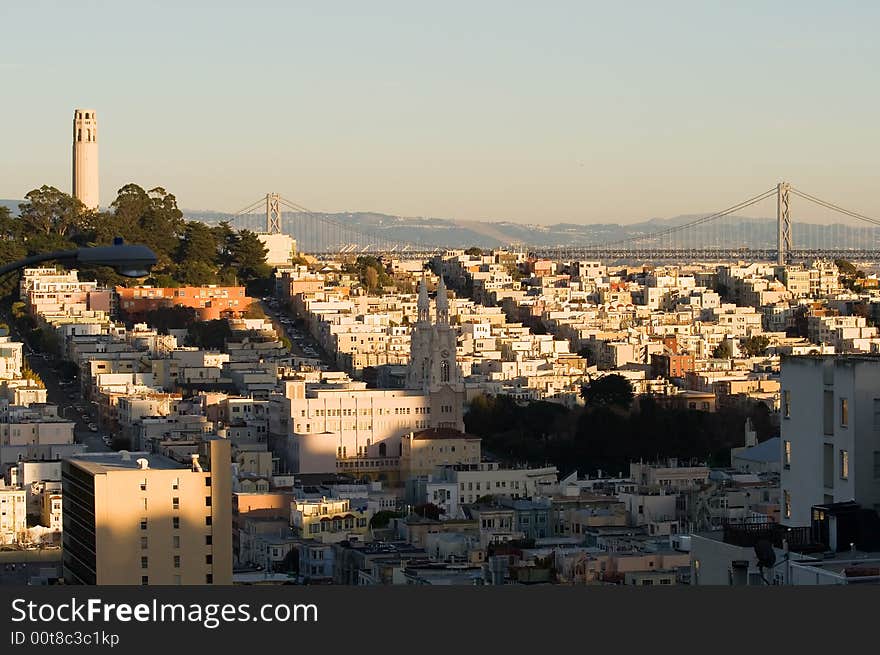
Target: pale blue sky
528, 111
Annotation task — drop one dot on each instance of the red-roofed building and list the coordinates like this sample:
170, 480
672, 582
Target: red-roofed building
210, 302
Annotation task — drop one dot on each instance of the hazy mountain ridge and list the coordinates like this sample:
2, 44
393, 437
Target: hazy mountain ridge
451, 233
429, 231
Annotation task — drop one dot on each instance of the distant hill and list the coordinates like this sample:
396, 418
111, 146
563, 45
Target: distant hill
12, 204
311, 234
305, 228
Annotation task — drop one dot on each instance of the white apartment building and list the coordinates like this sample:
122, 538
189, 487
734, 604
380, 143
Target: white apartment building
489, 479
830, 433
13, 515
330, 422
11, 358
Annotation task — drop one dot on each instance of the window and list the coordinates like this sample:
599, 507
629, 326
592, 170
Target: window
177, 580
844, 412
177, 561
143, 524
143, 543
175, 522
145, 580
828, 465
209, 579
786, 454
828, 412
207, 501
208, 540
175, 541
175, 503
209, 559
144, 562
175, 484
208, 481
143, 485
844, 464
877, 464
786, 494
208, 520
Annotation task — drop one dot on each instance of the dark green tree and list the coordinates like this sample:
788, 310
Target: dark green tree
845, 267
428, 511
382, 518
612, 390
249, 261
209, 335
755, 346
723, 350
51, 220
11, 247
171, 318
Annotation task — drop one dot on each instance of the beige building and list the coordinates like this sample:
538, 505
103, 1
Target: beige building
423, 451
280, 248
144, 519
329, 520
51, 509
11, 358
329, 423
13, 515
85, 157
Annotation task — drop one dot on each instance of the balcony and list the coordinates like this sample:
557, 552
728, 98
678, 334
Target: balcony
748, 534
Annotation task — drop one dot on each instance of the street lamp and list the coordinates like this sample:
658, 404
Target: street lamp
134, 260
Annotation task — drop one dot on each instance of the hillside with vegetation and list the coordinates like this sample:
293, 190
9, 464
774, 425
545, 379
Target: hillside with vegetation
188, 252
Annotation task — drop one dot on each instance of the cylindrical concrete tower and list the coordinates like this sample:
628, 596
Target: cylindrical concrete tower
85, 157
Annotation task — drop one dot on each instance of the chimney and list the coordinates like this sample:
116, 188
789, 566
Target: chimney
196, 467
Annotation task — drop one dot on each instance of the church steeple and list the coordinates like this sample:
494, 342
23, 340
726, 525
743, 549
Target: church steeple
424, 303
442, 303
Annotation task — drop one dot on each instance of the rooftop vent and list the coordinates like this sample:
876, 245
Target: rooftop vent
125, 455
143, 463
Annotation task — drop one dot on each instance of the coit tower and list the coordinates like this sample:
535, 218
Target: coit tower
85, 157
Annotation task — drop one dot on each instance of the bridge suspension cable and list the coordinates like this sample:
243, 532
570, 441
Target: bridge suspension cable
680, 228
833, 207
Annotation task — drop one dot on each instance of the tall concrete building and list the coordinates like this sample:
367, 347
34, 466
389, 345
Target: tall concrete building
85, 157
830, 434
144, 519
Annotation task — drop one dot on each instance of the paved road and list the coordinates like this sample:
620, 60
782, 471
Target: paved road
298, 338
61, 396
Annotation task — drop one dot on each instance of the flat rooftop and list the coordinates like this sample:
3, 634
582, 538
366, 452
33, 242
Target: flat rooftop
98, 463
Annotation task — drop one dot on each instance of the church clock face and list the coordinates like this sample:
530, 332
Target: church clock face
444, 353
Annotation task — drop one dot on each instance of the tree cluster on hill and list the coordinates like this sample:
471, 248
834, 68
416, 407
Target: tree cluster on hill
850, 277
607, 433
369, 270
188, 252
209, 335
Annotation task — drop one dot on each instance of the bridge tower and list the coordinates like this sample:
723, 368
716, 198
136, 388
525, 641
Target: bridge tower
273, 213
783, 223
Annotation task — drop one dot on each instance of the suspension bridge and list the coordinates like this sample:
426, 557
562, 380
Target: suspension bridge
719, 236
